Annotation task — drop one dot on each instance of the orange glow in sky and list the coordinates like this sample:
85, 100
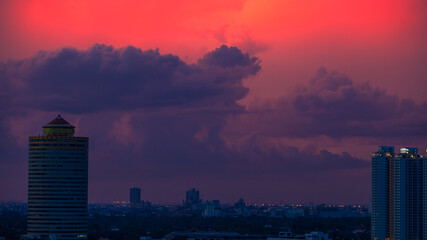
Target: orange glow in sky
292, 37
195, 25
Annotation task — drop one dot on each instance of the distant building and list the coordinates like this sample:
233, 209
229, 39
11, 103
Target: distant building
295, 212
192, 197
288, 235
236, 236
135, 196
399, 194
212, 209
58, 183
240, 207
211, 236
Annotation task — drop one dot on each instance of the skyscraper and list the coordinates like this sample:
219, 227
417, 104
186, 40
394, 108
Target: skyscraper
405, 194
192, 197
399, 194
424, 197
382, 200
135, 196
58, 183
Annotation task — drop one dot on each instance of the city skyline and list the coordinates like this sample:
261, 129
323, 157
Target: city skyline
265, 101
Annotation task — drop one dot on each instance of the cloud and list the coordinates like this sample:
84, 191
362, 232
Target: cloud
102, 77
277, 159
230, 57
334, 96
333, 105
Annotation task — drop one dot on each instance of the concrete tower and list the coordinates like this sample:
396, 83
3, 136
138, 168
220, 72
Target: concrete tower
58, 183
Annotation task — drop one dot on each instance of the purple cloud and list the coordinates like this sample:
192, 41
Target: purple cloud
335, 106
102, 77
225, 56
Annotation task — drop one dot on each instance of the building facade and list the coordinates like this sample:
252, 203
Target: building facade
58, 183
135, 196
424, 197
405, 194
382, 200
399, 194
192, 197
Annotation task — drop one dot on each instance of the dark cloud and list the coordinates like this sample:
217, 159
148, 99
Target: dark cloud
333, 105
273, 159
225, 56
103, 77
171, 145
334, 96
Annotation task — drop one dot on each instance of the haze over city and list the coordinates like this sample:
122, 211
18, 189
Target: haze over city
265, 100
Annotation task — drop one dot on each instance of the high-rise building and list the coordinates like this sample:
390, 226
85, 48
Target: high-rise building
382, 201
405, 194
399, 194
424, 197
135, 196
192, 197
58, 183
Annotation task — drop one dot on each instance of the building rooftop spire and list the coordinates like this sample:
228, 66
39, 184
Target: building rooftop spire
58, 127
58, 120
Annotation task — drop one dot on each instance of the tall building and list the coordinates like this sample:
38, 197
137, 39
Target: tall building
212, 209
382, 200
240, 207
405, 191
399, 194
58, 183
135, 196
424, 197
192, 197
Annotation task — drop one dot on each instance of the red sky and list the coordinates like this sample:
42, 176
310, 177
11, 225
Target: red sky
380, 42
377, 41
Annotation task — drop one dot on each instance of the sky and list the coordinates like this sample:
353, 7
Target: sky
272, 101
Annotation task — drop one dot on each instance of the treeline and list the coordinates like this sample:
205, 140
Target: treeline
157, 227
12, 225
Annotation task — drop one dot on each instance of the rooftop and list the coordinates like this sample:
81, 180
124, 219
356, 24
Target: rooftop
58, 127
58, 120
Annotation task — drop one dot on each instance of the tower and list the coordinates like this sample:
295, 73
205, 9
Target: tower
192, 197
58, 183
399, 194
408, 194
135, 196
382, 193
423, 204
